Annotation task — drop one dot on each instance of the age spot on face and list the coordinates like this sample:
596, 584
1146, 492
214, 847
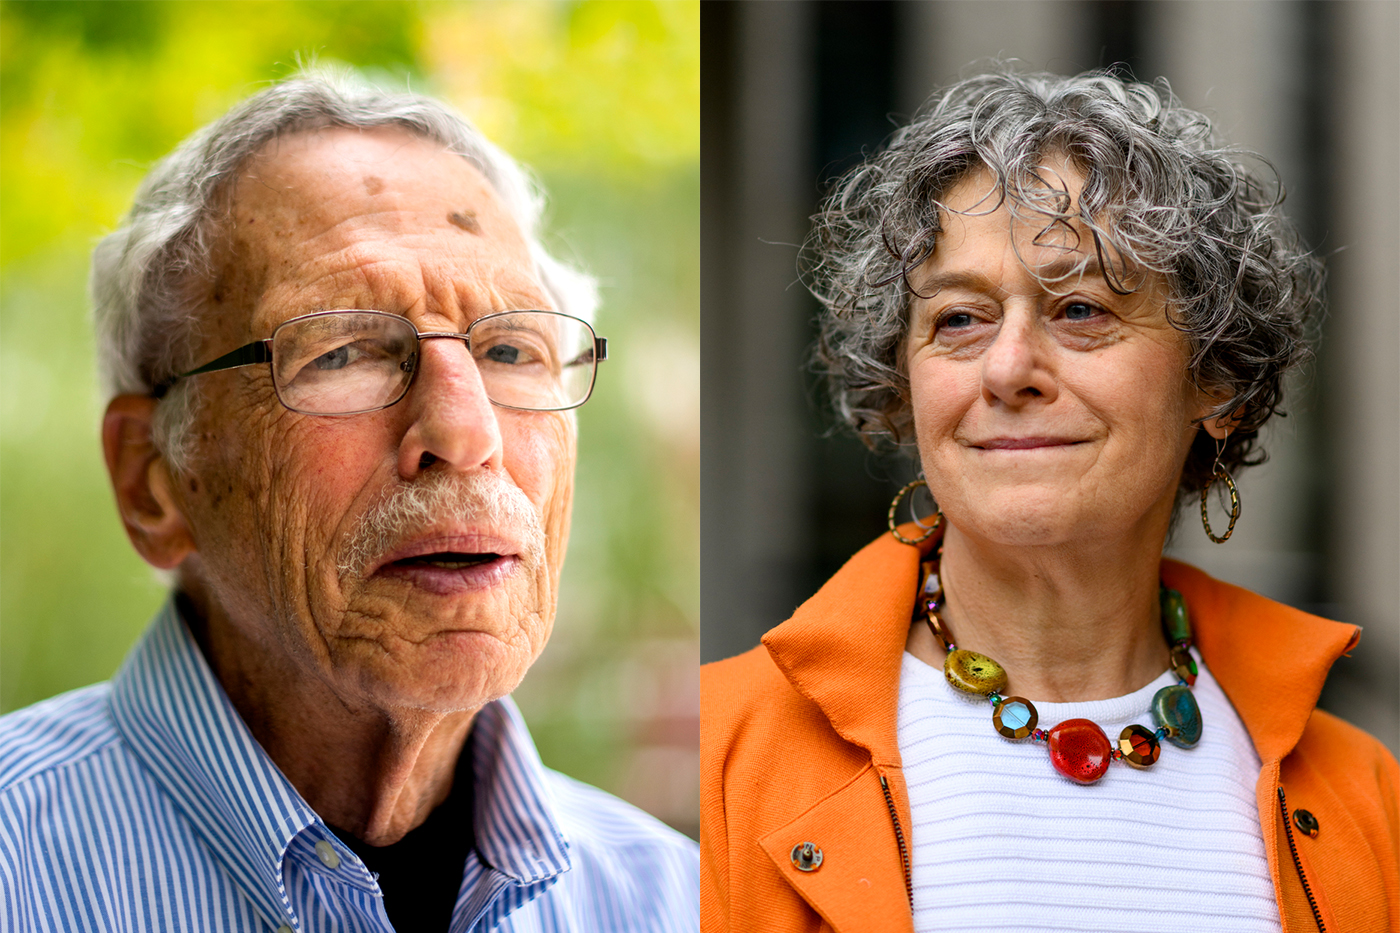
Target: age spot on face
464, 219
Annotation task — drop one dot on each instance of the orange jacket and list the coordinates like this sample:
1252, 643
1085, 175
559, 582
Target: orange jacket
798, 743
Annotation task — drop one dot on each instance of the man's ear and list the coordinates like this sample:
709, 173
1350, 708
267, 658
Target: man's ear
141, 480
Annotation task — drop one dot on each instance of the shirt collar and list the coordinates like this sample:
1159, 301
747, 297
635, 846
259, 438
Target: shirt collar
177, 719
517, 829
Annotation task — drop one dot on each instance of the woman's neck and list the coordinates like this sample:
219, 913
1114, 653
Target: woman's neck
1067, 623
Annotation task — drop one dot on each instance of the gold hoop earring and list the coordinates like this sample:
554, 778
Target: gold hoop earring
894, 527
1219, 472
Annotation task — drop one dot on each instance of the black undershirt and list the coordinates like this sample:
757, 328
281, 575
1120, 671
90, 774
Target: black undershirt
422, 872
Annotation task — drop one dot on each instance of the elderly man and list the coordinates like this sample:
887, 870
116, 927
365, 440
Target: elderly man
343, 372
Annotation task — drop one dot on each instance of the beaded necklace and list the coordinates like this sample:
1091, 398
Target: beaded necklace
1079, 749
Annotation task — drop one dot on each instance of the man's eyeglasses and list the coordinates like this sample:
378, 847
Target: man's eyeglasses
349, 362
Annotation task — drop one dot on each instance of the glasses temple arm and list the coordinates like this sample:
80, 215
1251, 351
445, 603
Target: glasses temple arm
259, 351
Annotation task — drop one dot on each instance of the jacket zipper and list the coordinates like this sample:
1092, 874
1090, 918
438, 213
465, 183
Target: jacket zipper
1298, 863
899, 838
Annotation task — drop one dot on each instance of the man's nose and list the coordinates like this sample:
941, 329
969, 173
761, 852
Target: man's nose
1016, 367
453, 420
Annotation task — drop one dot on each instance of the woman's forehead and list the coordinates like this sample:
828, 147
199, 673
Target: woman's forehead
982, 220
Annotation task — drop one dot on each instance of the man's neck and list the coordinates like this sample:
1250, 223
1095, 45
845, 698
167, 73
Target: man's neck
375, 772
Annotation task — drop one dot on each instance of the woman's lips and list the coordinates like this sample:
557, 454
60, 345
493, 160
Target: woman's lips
1025, 443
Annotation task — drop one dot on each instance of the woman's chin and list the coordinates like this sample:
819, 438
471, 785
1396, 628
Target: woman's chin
1029, 519
1036, 521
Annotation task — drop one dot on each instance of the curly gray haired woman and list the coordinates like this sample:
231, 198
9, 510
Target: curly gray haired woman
1076, 304
1161, 192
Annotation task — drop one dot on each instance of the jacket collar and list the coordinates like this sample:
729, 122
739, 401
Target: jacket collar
843, 648
1270, 659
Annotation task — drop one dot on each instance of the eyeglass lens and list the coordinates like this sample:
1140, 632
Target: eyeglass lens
354, 361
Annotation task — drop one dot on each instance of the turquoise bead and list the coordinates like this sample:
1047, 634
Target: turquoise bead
1015, 717
1175, 709
1176, 622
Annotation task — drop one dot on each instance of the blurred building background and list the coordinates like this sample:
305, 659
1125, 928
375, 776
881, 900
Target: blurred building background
601, 99
794, 92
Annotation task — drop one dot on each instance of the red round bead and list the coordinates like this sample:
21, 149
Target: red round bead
1079, 750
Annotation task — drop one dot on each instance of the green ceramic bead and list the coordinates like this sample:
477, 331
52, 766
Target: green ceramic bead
975, 673
1175, 620
1175, 708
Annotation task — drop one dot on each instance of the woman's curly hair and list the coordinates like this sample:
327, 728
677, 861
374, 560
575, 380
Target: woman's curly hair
1161, 192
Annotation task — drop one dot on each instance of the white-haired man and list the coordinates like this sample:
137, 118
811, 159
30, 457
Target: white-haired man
342, 373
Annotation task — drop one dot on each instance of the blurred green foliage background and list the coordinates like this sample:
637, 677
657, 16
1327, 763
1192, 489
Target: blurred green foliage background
600, 98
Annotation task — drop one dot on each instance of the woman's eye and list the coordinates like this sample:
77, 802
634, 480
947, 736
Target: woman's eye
956, 320
1080, 311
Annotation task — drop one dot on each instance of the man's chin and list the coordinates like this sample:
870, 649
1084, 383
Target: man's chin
454, 670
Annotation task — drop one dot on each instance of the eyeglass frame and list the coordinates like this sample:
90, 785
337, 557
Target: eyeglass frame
260, 351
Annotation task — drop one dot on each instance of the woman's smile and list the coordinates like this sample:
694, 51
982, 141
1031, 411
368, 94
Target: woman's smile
1024, 443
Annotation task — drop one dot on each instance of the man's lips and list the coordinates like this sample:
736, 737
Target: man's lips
1025, 443
454, 552
450, 565
451, 573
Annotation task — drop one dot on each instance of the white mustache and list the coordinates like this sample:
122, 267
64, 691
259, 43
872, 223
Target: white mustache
443, 499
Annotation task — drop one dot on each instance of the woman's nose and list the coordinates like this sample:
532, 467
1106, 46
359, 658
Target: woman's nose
1015, 368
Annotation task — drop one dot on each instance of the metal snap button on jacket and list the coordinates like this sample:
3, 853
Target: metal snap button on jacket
1305, 821
806, 856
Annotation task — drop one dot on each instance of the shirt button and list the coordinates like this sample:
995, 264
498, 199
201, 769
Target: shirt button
326, 854
284, 929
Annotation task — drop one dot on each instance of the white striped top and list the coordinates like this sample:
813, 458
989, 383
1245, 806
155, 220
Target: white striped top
147, 805
1003, 842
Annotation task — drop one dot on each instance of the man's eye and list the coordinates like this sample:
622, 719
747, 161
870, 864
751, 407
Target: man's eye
504, 353
338, 358
1080, 311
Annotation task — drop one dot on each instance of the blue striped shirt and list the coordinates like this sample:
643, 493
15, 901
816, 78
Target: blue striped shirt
146, 805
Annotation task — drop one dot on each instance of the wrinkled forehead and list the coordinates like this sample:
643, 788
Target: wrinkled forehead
313, 202
305, 183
